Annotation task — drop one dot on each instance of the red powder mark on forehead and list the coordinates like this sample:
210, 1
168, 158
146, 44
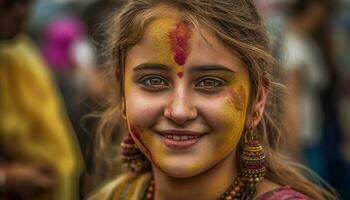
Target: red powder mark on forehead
180, 74
179, 37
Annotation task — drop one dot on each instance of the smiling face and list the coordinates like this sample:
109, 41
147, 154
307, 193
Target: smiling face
186, 97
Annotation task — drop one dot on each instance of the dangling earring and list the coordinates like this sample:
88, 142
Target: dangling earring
132, 156
252, 158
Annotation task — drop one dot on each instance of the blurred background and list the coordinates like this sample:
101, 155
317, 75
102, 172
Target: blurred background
63, 40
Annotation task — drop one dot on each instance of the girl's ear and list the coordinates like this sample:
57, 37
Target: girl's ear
259, 106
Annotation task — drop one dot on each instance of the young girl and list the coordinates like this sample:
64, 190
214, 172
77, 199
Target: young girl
193, 85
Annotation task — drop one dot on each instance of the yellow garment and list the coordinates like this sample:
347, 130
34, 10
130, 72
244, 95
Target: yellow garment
128, 186
33, 124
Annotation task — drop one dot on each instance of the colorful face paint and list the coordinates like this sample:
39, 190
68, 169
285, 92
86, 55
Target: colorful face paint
168, 102
180, 74
229, 120
136, 133
179, 38
172, 42
238, 98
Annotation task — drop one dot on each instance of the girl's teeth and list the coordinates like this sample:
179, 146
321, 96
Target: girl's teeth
184, 137
181, 137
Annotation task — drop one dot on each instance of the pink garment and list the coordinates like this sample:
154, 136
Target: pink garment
283, 193
59, 37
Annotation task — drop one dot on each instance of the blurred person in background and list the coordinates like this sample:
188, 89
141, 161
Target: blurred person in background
95, 88
333, 139
69, 52
307, 76
71, 40
39, 158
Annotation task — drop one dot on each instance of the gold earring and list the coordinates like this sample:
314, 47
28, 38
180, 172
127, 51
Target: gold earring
132, 156
252, 158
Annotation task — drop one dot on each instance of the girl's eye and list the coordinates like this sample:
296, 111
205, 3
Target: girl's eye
154, 82
210, 83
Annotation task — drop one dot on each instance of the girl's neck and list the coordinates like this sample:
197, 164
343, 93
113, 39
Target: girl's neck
207, 185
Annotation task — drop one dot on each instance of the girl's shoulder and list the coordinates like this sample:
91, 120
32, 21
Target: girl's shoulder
283, 193
128, 186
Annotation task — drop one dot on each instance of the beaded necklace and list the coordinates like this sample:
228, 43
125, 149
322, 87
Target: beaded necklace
235, 191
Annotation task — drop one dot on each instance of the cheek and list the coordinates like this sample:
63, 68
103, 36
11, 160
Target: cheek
142, 113
233, 110
227, 118
238, 99
144, 138
141, 108
226, 111
232, 123
140, 138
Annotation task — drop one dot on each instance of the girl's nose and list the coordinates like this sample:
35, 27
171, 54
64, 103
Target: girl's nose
180, 109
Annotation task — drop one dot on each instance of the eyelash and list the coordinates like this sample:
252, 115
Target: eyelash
202, 84
216, 83
146, 82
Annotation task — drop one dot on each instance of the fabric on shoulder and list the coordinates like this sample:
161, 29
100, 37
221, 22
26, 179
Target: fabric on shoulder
283, 193
128, 186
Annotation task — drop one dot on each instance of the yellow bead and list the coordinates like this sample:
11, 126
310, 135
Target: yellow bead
237, 189
149, 195
241, 184
228, 198
233, 193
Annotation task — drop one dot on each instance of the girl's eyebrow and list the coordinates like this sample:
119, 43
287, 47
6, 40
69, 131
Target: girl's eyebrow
153, 66
211, 67
199, 68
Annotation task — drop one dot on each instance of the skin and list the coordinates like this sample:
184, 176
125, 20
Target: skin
210, 97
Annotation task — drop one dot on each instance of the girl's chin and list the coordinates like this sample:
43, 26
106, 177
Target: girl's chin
180, 168
180, 172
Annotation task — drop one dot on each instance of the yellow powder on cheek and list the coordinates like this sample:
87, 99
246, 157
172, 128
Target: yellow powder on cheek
226, 140
234, 124
233, 115
238, 98
154, 147
240, 90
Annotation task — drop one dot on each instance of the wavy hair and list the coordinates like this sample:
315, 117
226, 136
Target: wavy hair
238, 25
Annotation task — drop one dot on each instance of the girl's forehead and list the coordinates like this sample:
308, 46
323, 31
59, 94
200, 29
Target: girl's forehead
172, 42
163, 28
176, 31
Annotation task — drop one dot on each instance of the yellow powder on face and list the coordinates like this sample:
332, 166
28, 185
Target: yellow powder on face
238, 98
237, 118
161, 31
149, 140
234, 112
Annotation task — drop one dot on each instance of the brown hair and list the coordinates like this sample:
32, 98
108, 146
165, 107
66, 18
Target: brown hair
237, 24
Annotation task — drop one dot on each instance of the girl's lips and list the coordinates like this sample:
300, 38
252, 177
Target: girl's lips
180, 140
